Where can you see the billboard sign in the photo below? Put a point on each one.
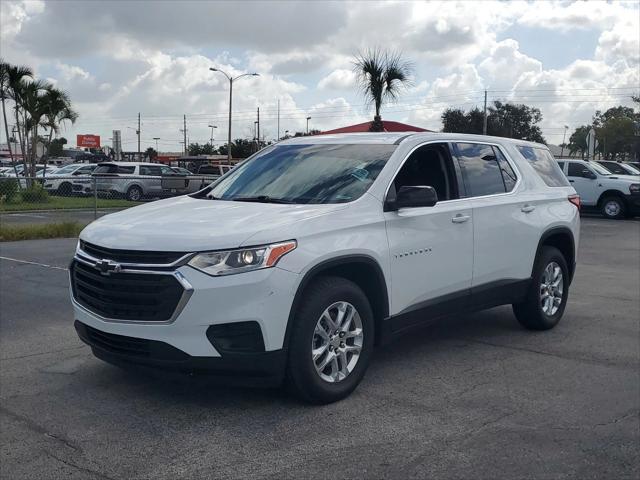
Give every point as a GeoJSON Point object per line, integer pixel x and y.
{"type": "Point", "coordinates": [88, 141]}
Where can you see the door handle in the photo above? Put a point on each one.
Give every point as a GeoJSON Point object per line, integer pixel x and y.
{"type": "Point", "coordinates": [528, 208]}
{"type": "Point", "coordinates": [571, 181]}
{"type": "Point", "coordinates": [460, 218]}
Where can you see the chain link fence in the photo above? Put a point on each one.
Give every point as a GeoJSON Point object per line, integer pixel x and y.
{"type": "Point", "coordinates": [86, 197]}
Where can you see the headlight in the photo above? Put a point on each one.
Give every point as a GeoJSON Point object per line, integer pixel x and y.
{"type": "Point", "coordinates": [634, 187]}
{"type": "Point", "coordinates": [230, 262]}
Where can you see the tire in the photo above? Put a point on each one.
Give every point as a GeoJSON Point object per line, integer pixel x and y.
{"type": "Point", "coordinates": [613, 208]}
{"type": "Point", "coordinates": [535, 313]}
{"type": "Point", "coordinates": [321, 385]}
{"type": "Point", "coordinates": [65, 189]}
{"type": "Point", "coordinates": [134, 194]}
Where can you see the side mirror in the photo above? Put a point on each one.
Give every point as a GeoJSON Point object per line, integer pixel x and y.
{"type": "Point", "coordinates": [415, 196]}
{"type": "Point", "coordinates": [586, 173]}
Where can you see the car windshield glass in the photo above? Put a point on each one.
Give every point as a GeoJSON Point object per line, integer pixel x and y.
{"type": "Point", "coordinates": [67, 169]}
{"type": "Point", "coordinates": [305, 174]}
{"type": "Point", "coordinates": [631, 169]}
{"type": "Point", "coordinates": [599, 168]}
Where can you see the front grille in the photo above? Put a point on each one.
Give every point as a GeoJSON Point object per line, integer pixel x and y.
{"type": "Point", "coordinates": [126, 296]}
{"type": "Point", "coordinates": [130, 256]}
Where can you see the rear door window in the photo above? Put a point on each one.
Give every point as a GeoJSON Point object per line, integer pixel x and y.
{"type": "Point", "coordinates": [481, 170]}
{"type": "Point", "coordinates": [150, 170]}
{"type": "Point", "coordinates": [544, 164]}
{"type": "Point", "coordinates": [576, 170]}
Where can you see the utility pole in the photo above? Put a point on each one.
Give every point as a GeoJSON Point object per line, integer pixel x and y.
{"type": "Point", "coordinates": [258, 134]}
{"type": "Point", "coordinates": [186, 148]}
{"type": "Point", "coordinates": [278, 137]}
{"type": "Point", "coordinates": [484, 122]}
{"type": "Point", "coordinates": [138, 132]}
{"type": "Point", "coordinates": [308, 118]}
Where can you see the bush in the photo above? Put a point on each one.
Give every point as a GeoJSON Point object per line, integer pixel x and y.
{"type": "Point", "coordinates": [49, 230]}
{"type": "Point", "coordinates": [35, 194]}
{"type": "Point", "coordinates": [8, 189]}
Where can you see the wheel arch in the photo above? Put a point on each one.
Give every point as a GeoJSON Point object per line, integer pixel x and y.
{"type": "Point", "coordinates": [612, 193]}
{"type": "Point", "coordinates": [562, 239]}
{"type": "Point", "coordinates": [363, 270]}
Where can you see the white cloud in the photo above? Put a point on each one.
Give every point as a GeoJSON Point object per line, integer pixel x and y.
{"type": "Point", "coordinates": [340, 79]}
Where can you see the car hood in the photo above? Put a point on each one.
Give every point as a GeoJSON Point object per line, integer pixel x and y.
{"type": "Point", "coordinates": [186, 224]}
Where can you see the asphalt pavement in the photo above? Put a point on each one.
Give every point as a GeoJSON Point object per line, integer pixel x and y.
{"type": "Point", "coordinates": [473, 397]}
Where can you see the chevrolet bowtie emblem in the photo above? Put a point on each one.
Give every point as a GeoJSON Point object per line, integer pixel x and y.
{"type": "Point", "coordinates": [106, 267]}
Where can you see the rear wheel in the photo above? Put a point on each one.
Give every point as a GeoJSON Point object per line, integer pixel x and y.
{"type": "Point", "coordinates": [331, 341]}
{"type": "Point", "coordinates": [547, 296]}
{"type": "Point", "coordinates": [65, 189]}
{"type": "Point", "coordinates": [613, 207]}
{"type": "Point", "coordinates": [134, 193]}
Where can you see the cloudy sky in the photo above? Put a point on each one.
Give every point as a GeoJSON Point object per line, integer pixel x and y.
{"type": "Point", "coordinates": [118, 58]}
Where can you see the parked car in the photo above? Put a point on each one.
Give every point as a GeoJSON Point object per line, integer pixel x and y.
{"type": "Point", "coordinates": [317, 248]}
{"type": "Point", "coordinates": [74, 178]}
{"type": "Point", "coordinates": [619, 167]}
{"type": "Point", "coordinates": [615, 196]}
{"type": "Point", "coordinates": [135, 181]}
{"type": "Point", "coordinates": [213, 170]}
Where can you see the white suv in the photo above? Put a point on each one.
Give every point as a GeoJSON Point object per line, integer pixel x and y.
{"type": "Point", "coordinates": [616, 196]}
{"type": "Point", "coordinates": [292, 266]}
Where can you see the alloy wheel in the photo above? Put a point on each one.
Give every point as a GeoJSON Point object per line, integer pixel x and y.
{"type": "Point", "coordinates": [551, 289]}
{"type": "Point", "coordinates": [337, 342]}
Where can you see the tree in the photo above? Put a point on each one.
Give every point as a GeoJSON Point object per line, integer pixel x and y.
{"type": "Point", "coordinates": [56, 146]}
{"type": "Point", "coordinates": [240, 148]}
{"type": "Point", "coordinates": [381, 76]}
{"type": "Point", "coordinates": [57, 108]}
{"type": "Point", "coordinates": [616, 131]}
{"type": "Point", "coordinates": [503, 120]}
{"type": "Point", "coordinates": [201, 149]}
{"type": "Point", "coordinates": [151, 154]}
{"type": "Point", "coordinates": [11, 79]}
{"type": "Point", "coordinates": [578, 140]}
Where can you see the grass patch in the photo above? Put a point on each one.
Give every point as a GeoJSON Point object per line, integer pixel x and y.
{"type": "Point", "coordinates": [32, 232]}
{"type": "Point", "coordinates": [60, 203]}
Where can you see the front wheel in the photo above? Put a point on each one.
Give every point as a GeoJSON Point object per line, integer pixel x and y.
{"type": "Point", "coordinates": [331, 341]}
{"type": "Point", "coordinates": [613, 207]}
{"type": "Point", "coordinates": [65, 189]}
{"type": "Point", "coordinates": [547, 296]}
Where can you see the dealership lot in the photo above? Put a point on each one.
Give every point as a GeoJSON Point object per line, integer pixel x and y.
{"type": "Point", "coordinates": [470, 397]}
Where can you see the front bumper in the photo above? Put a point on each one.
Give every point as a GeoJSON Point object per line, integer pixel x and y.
{"type": "Point", "coordinates": [633, 203]}
{"type": "Point", "coordinates": [255, 369]}
{"type": "Point", "coordinates": [263, 296]}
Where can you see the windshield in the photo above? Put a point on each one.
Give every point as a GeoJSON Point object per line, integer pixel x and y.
{"type": "Point", "coordinates": [599, 168]}
{"type": "Point", "coordinates": [67, 169]}
{"type": "Point", "coordinates": [305, 174]}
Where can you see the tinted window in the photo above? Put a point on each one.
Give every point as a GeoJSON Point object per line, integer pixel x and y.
{"type": "Point", "coordinates": [561, 165]}
{"type": "Point", "coordinates": [150, 170]}
{"type": "Point", "coordinates": [544, 164]}
{"type": "Point", "coordinates": [320, 173]}
{"type": "Point", "coordinates": [429, 166]}
{"type": "Point", "coordinates": [575, 170]}
{"type": "Point", "coordinates": [113, 168]}
{"type": "Point", "coordinates": [480, 169]}
{"type": "Point", "coordinates": [508, 175]}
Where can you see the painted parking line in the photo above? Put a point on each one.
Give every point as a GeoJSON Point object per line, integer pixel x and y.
{"type": "Point", "coordinates": [33, 263]}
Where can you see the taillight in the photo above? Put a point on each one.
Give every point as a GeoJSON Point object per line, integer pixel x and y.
{"type": "Point", "coordinates": [575, 199]}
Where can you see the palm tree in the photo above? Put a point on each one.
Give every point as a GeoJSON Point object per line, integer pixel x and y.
{"type": "Point", "coordinates": [17, 81]}
{"type": "Point", "coordinates": [381, 77]}
{"type": "Point", "coordinates": [11, 76]}
{"type": "Point", "coordinates": [34, 108]}
{"type": "Point", "coordinates": [57, 107]}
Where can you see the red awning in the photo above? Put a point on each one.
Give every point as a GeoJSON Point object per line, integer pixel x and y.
{"type": "Point", "coordinates": [389, 126]}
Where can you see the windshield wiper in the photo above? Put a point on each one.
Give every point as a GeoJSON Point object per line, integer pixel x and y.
{"type": "Point", "coordinates": [262, 199]}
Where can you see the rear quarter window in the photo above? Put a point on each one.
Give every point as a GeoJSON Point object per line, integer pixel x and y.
{"type": "Point", "coordinates": [545, 165]}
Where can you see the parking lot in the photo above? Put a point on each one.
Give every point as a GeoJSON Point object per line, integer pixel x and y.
{"type": "Point", "coordinates": [470, 397]}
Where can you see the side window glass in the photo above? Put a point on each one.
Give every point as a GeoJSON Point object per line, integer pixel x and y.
{"type": "Point", "coordinates": [480, 169]}
{"type": "Point", "coordinates": [429, 166]}
{"type": "Point", "coordinates": [126, 170]}
{"type": "Point", "coordinates": [167, 171]}
{"type": "Point", "coordinates": [575, 170]}
{"type": "Point", "coordinates": [561, 165]}
{"type": "Point", "coordinates": [145, 170]}
{"type": "Point", "coordinates": [508, 175]}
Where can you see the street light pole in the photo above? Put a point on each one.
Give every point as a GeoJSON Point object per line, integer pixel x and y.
{"type": "Point", "coordinates": [564, 136]}
{"type": "Point", "coordinates": [156, 139]}
{"type": "Point", "coordinates": [231, 79]}
{"type": "Point", "coordinates": [212, 127]}
{"type": "Point", "coordinates": [308, 118]}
